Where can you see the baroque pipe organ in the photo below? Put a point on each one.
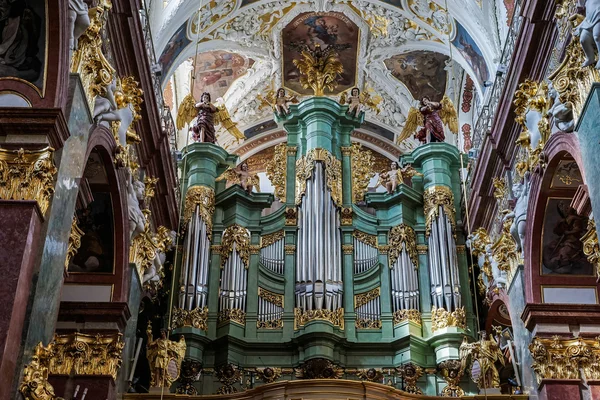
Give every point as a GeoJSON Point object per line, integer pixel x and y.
{"type": "Point", "coordinates": [336, 276]}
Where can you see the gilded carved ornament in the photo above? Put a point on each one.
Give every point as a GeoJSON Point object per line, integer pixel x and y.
{"type": "Point", "coordinates": [128, 94]}
{"type": "Point", "coordinates": [228, 375]}
{"type": "Point", "coordinates": [319, 68]}
{"type": "Point", "coordinates": [35, 385]}
{"type": "Point", "coordinates": [452, 372]}
{"type": "Point", "coordinates": [346, 216]}
{"type": "Point", "coordinates": [402, 238]}
{"type": "Point", "coordinates": [500, 188]}
{"type": "Point", "coordinates": [270, 324]}
{"type": "Point", "coordinates": [440, 318]}
{"type": "Point", "coordinates": [407, 315]}
{"type": "Point", "coordinates": [271, 238]}
{"type": "Point", "coordinates": [274, 298]}
{"type": "Point", "coordinates": [411, 373]}
{"type": "Point", "coordinates": [486, 353]}
{"type": "Point", "coordinates": [27, 175]}
{"type": "Point", "coordinates": [319, 368]}
{"type": "Point", "coordinates": [74, 242]}
{"type": "Point", "coordinates": [165, 357]}
{"type": "Point", "coordinates": [480, 241]}
{"type": "Point", "coordinates": [201, 198]}
{"type": "Point", "coordinates": [268, 374]}
{"type": "Point", "coordinates": [301, 318]}
{"type": "Point", "coordinates": [590, 245]}
{"type": "Point", "coordinates": [371, 374]}
{"type": "Point", "coordinates": [362, 171]}
{"type": "Point", "coordinates": [363, 298]}
{"type": "Point", "coordinates": [277, 171]}
{"type": "Point", "coordinates": [367, 323]}
{"type": "Point", "coordinates": [290, 249]}
{"type": "Point", "coordinates": [240, 236]}
{"type": "Point", "coordinates": [504, 250]}
{"type": "Point", "coordinates": [565, 358]}
{"type": "Point", "coordinates": [365, 238]}
{"type": "Point", "coordinates": [347, 248]}
{"type": "Point", "coordinates": [435, 197]}
{"type": "Point", "coordinates": [233, 315]}
{"type": "Point", "coordinates": [333, 173]}
{"type": "Point", "coordinates": [196, 318]}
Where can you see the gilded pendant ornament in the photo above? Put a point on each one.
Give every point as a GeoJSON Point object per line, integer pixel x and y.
{"type": "Point", "coordinates": [233, 315]}
{"type": "Point", "coordinates": [365, 238]}
{"type": "Point", "coordinates": [319, 68]}
{"type": "Point", "coordinates": [74, 242]}
{"type": "Point", "coordinates": [277, 170]}
{"type": "Point", "coordinates": [27, 175]}
{"type": "Point", "coordinates": [88, 60]}
{"type": "Point", "coordinates": [35, 385]}
{"type": "Point", "coordinates": [302, 318]}
{"type": "Point", "coordinates": [566, 358]}
{"type": "Point", "coordinates": [362, 171]}
{"type": "Point", "coordinates": [411, 373]}
{"type": "Point", "coordinates": [84, 354]}
{"type": "Point", "coordinates": [440, 318]}
{"type": "Point", "coordinates": [333, 173]}
{"type": "Point", "coordinates": [290, 249]}
{"type": "Point", "coordinates": [363, 298]}
{"type": "Point", "coordinates": [196, 318]}
{"type": "Point", "coordinates": [402, 237]}
{"type": "Point", "coordinates": [201, 198]}
{"type": "Point", "coordinates": [590, 245]}
{"type": "Point", "coordinates": [435, 197]}
{"type": "Point", "coordinates": [240, 236]}
{"type": "Point", "coordinates": [452, 371]}
{"type": "Point", "coordinates": [500, 188]}
{"type": "Point", "coordinates": [407, 315]}
{"type": "Point", "coordinates": [271, 238]}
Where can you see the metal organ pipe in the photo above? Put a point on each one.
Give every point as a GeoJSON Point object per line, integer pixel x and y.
{"type": "Point", "coordinates": [405, 286]}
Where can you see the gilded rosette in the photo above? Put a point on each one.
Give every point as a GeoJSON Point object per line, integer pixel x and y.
{"type": "Point", "coordinates": [27, 175]}
{"type": "Point", "coordinates": [435, 197]}
{"type": "Point", "coordinates": [277, 170]}
{"type": "Point", "coordinates": [35, 385]}
{"type": "Point", "coordinates": [201, 198]}
{"type": "Point", "coordinates": [402, 237]}
{"type": "Point", "coordinates": [241, 237]}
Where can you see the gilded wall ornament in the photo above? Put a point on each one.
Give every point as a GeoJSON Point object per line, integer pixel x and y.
{"type": "Point", "coordinates": [402, 237]}
{"type": "Point", "coordinates": [277, 171]}
{"type": "Point", "coordinates": [274, 298]}
{"type": "Point", "coordinates": [500, 188]}
{"type": "Point", "coordinates": [301, 318]}
{"type": "Point", "coordinates": [361, 236]}
{"type": "Point", "coordinates": [363, 298]}
{"type": "Point", "coordinates": [590, 245]}
{"type": "Point", "coordinates": [27, 175]}
{"type": "Point", "coordinates": [165, 357]}
{"type": "Point", "coordinates": [196, 318]}
{"type": "Point", "coordinates": [435, 197]}
{"type": "Point", "coordinates": [346, 216]}
{"type": "Point", "coordinates": [411, 373]}
{"type": "Point", "coordinates": [232, 314]}
{"type": "Point", "coordinates": [271, 238]}
{"type": "Point", "coordinates": [319, 68]}
{"type": "Point", "coordinates": [228, 375]}
{"type": "Point", "coordinates": [74, 242]}
{"type": "Point", "coordinates": [241, 237]}
{"type": "Point", "coordinates": [333, 173]}
{"type": "Point", "coordinates": [362, 171]}
{"type": "Point", "coordinates": [452, 372]}
{"type": "Point", "coordinates": [268, 374]}
{"type": "Point", "coordinates": [190, 373]}
{"type": "Point", "coordinates": [407, 315]}
{"type": "Point", "coordinates": [84, 354]}
{"type": "Point", "coordinates": [504, 250]}
{"type": "Point", "coordinates": [319, 368]}
{"type": "Point", "coordinates": [35, 385]}
{"type": "Point", "coordinates": [291, 216]}
{"type": "Point", "coordinates": [371, 375]}
{"type": "Point", "coordinates": [440, 318]}
{"type": "Point", "coordinates": [201, 198]}
{"type": "Point", "coordinates": [486, 353]}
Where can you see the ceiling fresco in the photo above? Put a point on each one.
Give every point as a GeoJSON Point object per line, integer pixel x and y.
{"type": "Point", "coordinates": [217, 70]}
{"type": "Point", "coordinates": [423, 73]}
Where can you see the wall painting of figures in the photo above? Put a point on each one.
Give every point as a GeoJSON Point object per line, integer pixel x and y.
{"type": "Point", "coordinates": [471, 52]}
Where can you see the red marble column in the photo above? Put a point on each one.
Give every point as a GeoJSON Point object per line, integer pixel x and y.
{"type": "Point", "coordinates": [594, 389]}
{"type": "Point", "coordinates": [20, 224]}
{"type": "Point", "coordinates": [560, 389]}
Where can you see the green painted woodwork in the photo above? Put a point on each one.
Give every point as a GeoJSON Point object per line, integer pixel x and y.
{"type": "Point", "coordinates": [202, 163]}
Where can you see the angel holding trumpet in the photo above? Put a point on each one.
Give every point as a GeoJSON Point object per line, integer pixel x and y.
{"type": "Point", "coordinates": [431, 116]}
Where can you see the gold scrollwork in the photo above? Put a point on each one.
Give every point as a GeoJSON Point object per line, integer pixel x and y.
{"type": "Point", "coordinates": [403, 237]}
{"type": "Point", "coordinates": [233, 314]}
{"type": "Point", "coordinates": [361, 236]}
{"type": "Point", "coordinates": [84, 354]}
{"type": "Point", "coordinates": [590, 245]}
{"type": "Point", "coordinates": [367, 323]}
{"type": "Point", "coordinates": [362, 171]}
{"type": "Point", "coordinates": [271, 238]}
{"type": "Point", "coordinates": [452, 372]}
{"type": "Point", "coordinates": [407, 315]}
{"type": "Point", "coordinates": [197, 318]}
{"type": "Point", "coordinates": [35, 385]}
{"type": "Point", "coordinates": [274, 298]}
{"type": "Point", "coordinates": [440, 318]}
{"type": "Point", "coordinates": [435, 197]}
{"type": "Point", "coordinates": [333, 173]}
{"type": "Point", "coordinates": [27, 175]}
{"type": "Point", "coordinates": [277, 170]}
{"type": "Point", "coordinates": [74, 242]}
{"type": "Point", "coordinates": [363, 298]}
{"type": "Point", "coordinates": [290, 249]}
{"type": "Point", "coordinates": [241, 237]}
{"type": "Point", "coordinates": [384, 249]}
{"type": "Point", "coordinates": [302, 318]}
{"type": "Point", "coordinates": [270, 324]}
{"type": "Point", "coordinates": [202, 197]}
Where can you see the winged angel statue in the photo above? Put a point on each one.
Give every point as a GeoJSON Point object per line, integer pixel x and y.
{"type": "Point", "coordinates": [277, 101]}
{"type": "Point", "coordinates": [431, 116]}
{"type": "Point", "coordinates": [207, 116]}
{"type": "Point", "coordinates": [357, 99]}
{"type": "Point", "coordinates": [240, 176]}
{"type": "Point", "coordinates": [486, 353]}
{"type": "Point", "coordinates": [161, 353]}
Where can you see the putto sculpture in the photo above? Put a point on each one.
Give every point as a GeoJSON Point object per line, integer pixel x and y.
{"type": "Point", "coordinates": [240, 175]}
{"type": "Point", "coordinates": [431, 116]}
{"type": "Point", "coordinates": [278, 101]}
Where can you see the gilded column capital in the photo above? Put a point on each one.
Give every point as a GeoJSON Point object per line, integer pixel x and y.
{"type": "Point", "coordinates": [290, 249]}
{"type": "Point", "coordinates": [348, 248]}
{"type": "Point", "coordinates": [346, 151]}
{"type": "Point", "coordinates": [590, 245]}
{"type": "Point", "coordinates": [292, 150]}
{"type": "Point", "coordinates": [422, 249]}
{"type": "Point", "coordinates": [27, 175]}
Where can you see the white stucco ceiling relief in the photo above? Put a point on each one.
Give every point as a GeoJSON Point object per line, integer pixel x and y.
{"type": "Point", "coordinates": [237, 50]}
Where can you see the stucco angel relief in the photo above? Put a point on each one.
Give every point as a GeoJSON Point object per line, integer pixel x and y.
{"type": "Point", "coordinates": [431, 116]}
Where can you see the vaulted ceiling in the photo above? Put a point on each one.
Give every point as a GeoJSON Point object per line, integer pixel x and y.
{"type": "Point", "coordinates": [400, 50]}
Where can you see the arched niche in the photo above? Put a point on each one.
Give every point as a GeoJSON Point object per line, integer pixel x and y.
{"type": "Point", "coordinates": [99, 272]}
{"type": "Point", "coordinates": [556, 270]}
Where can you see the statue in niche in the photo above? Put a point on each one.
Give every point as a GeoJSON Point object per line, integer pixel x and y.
{"type": "Point", "coordinates": [395, 176]}
{"type": "Point", "coordinates": [240, 175]}
{"type": "Point", "coordinates": [166, 240]}
{"type": "Point", "coordinates": [562, 113]}
{"type": "Point", "coordinates": [357, 99]}
{"type": "Point", "coordinates": [135, 196]}
{"type": "Point", "coordinates": [161, 354]}
{"type": "Point", "coordinates": [431, 116]}
{"type": "Point", "coordinates": [486, 352]}
{"type": "Point", "coordinates": [589, 32]}
{"type": "Point", "coordinates": [520, 193]}
{"type": "Point", "coordinates": [79, 21]}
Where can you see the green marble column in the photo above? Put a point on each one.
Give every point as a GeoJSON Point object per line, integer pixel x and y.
{"type": "Point", "coordinates": [202, 163]}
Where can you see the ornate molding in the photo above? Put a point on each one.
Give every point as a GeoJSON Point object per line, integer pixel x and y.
{"type": "Point", "coordinates": [590, 245]}
{"type": "Point", "coordinates": [440, 318]}
{"type": "Point", "coordinates": [435, 197]}
{"type": "Point", "coordinates": [407, 315]}
{"type": "Point", "coordinates": [196, 318]}
{"type": "Point", "coordinates": [402, 237]}
{"type": "Point", "coordinates": [202, 197]}
{"type": "Point", "coordinates": [363, 298]}
{"type": "Point", "coordinates": [274, 298]}
{"type": "Point", "coordinates": [74, 242]}
{"type": "Point", "coordinates": [302, 318]}
{"type": "Point", "coordinates": [27, 175]}
{"type": "Point", "coordinates": [362, 170]}
{"type": "Point", "coordinates": [348, 248]}
{"type": "Point", "coordinates": [361, 236]}
{"type": "Point", "coordinates": [271, 238]}
{"type": "Point", "coordinates": [277, 170]}
{"type": "Point", "coordinates": [241, 237]}
{"type": "Point", "coordinates": [233, 314]}
{"type": "Point", "coordinates": [452, 372]}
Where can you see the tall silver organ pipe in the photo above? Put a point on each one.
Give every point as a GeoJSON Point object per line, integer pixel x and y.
{"type": "Point", "coordinates": [365, 256]}
{"type": "Point", "coordinates": [196, 260]}
{"type": "Point", "coordinates": [443, 264]}
{"type": "Point", "coordinates": [319, 256]}
{"type": "Point", "coordinates": [270, 308]}
{"type": "Point", "coordinates": [405, 283]}
{"type": "Point", "coordinates": [368, 309]}
{"type": "Point", "coordinates": [272, 256]}
{"type": "Point", "coordinates": [234, 279]}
